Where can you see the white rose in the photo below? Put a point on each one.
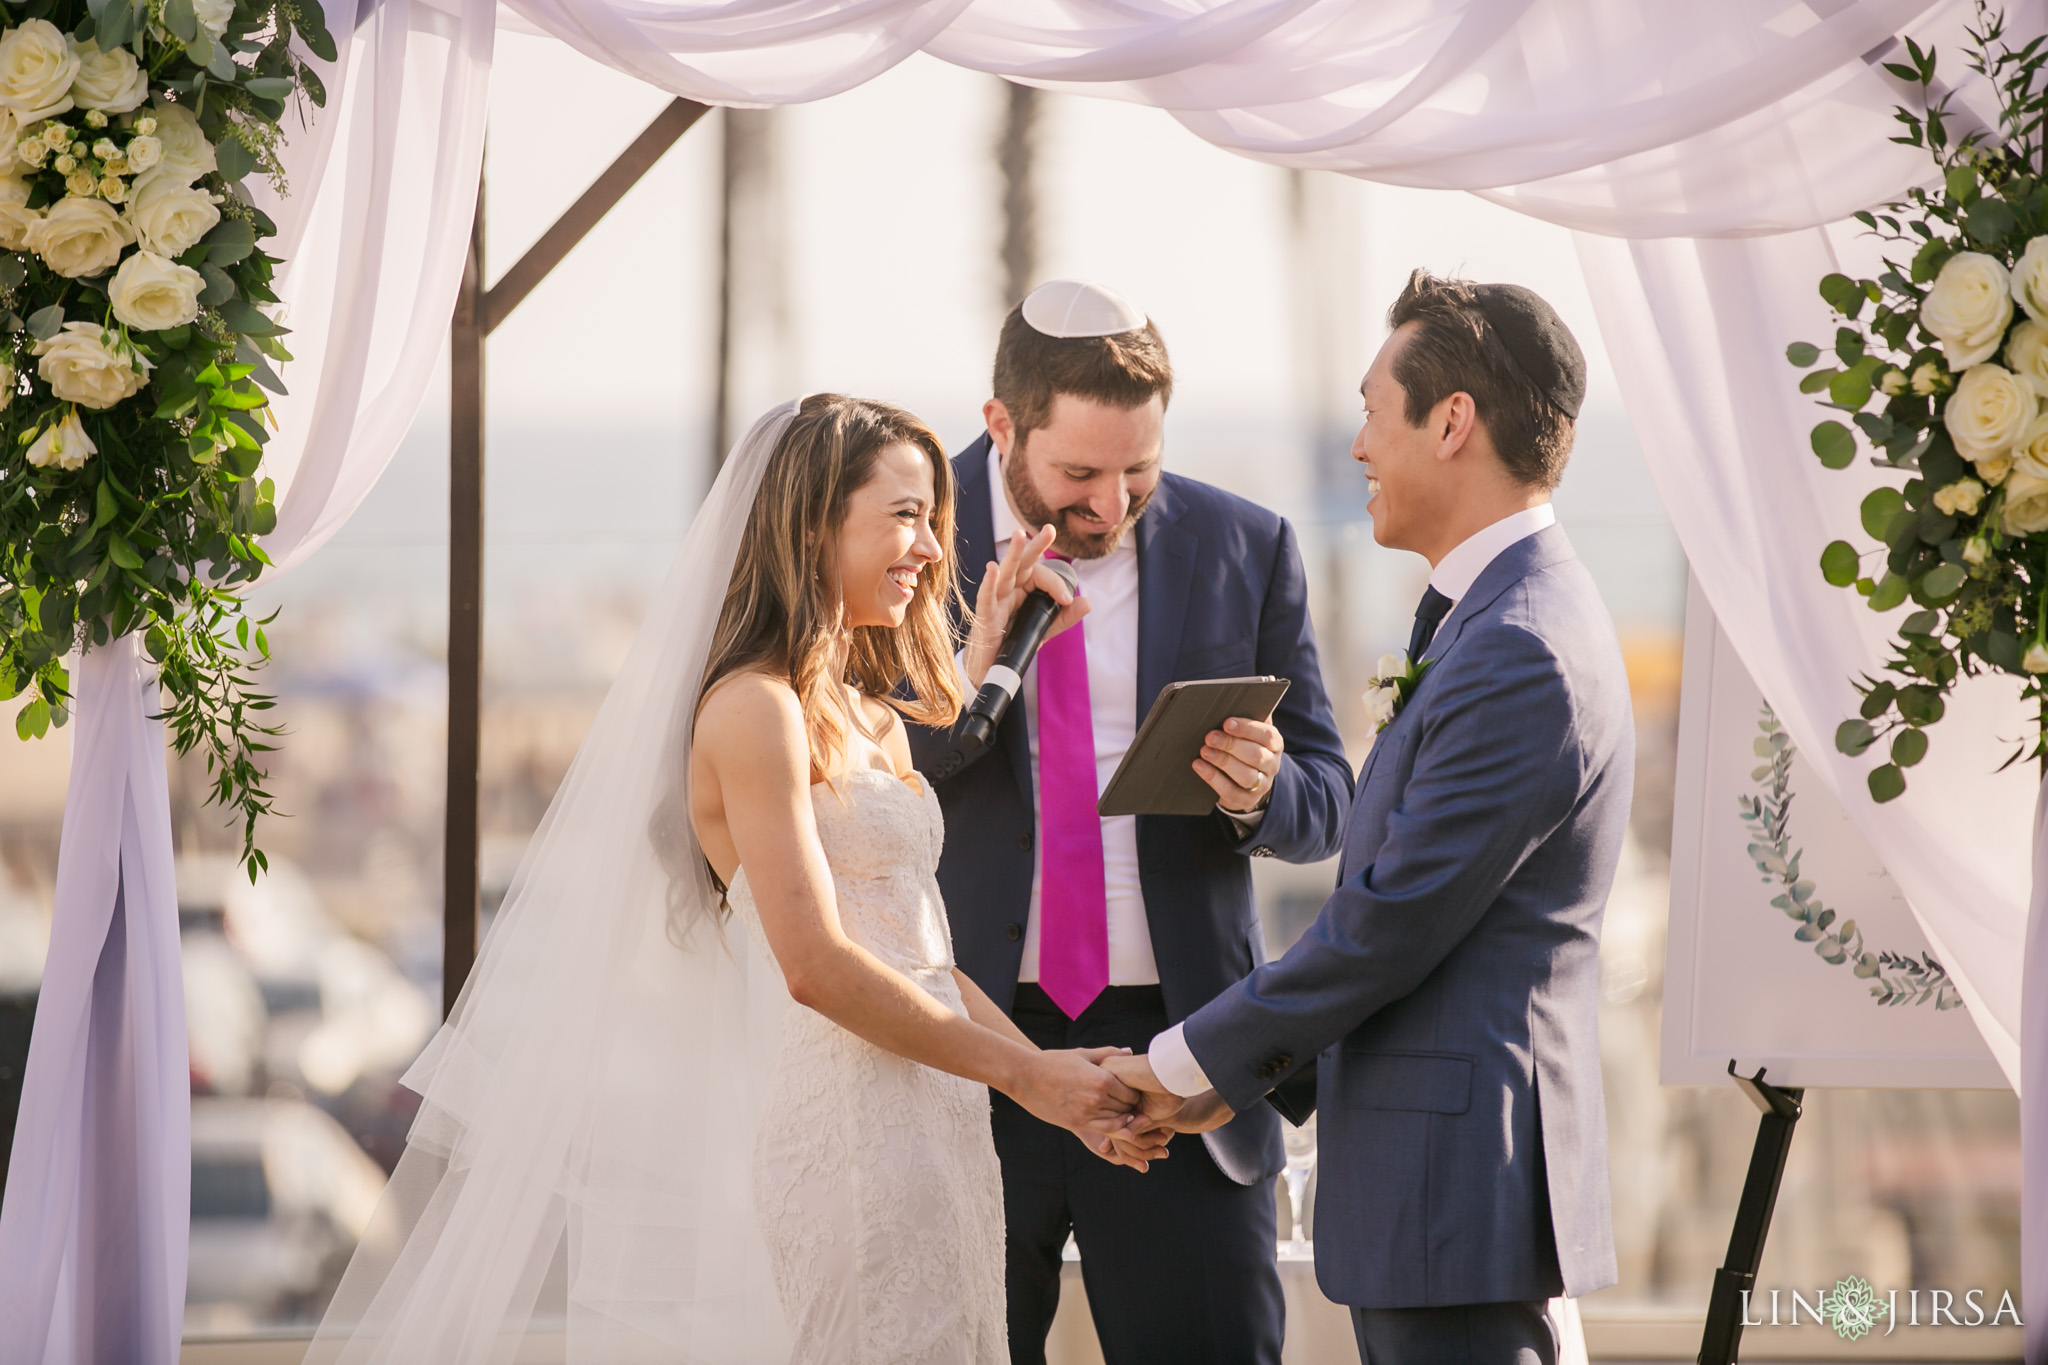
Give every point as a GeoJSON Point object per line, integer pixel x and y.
{"type": "Point", "coordinates": [2027, 352]}
{"type": "Point", "coordinates": [143, 154]}
{"type": "Point", "coordinates": [82, 182]}
{"type": "Point", "coordinates": [64, 445]}
{"type": "Point", "coordinates": [1968, 308]}
{"type": "Point", "coordinates": [2026, 504]}
{"type": "Point", "coordinates": [186, 154]}
{"type": "Point", "coordinates": [1958, 499]}
{"type": "Point", "coordinates": [1994, 467]}
{"type": "Point", "coordinates": [16, 217]}
{"type": "Point", "coordinates": [7, 382]}
{"type": "Point", "coordinates": [1392, 665]}
{"type": "Point", "coordinates": [1976, 550]}
{"type": "Point", "coordinates": [1379, 705]}
{"type": "Point", "coordinates": [170, 218]}
{"type": "Point", "coordinates": [1892, 383]}
{"type": "Point", "coordinates": [2030, 453]}
{"type": "Point", "coordinates": [37, 64]}
{"type": "Point", "coordinates": [1928, 378]}
{"type": "Point", "coordinates": [111, 82]}
{"type": "Point", "coordinates": [2030, 279]}
{"type": "Point", "coordinates": [152, 294]}
{"type": "Point", "coordinates": [1989, 410]}
{"type": "Point", "coordinates": [80, 367]}
{"type": "Point", "coordinates": [214, 15]}
{"type": "Point", "coordinates": [80, 236]}
{"type": "Point", "coordinates": [2036, 660]}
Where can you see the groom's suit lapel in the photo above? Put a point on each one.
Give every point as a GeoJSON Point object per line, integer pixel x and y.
{"type": "Point", "coordinates": [1528, 555]}
{"type": "Point", "coordinates": [975, 536]}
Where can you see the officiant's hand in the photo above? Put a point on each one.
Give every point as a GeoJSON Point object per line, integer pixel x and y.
{"type": "Point", "coordinates": [1069, 1088]}
{"type": "Point", "coordinates": [1240, 762]}
{"type": "Point", "coordinates": [1160, 1108]}
{"type": "Point", "coordinates": [1004, 587]}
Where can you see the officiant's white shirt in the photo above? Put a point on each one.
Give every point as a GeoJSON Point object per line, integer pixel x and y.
{"type": "Point", "coordinates": [1454, 575]}
{"type": "Point", "coordinates": [1111, 630]}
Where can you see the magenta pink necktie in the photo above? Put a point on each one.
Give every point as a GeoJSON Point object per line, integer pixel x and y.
{"type": "Point", "coordinates": [1073, 907]}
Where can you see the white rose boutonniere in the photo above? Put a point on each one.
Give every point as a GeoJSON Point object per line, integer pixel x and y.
{"type": "Point", "coordinates": [1968, 308]}
{"type": "Point", "coordinates": [63, 444]}
{"type": "Point", "coordinates": [80, 367]}
{"type": "Point", "coordinates": [1393, 682]}
{"type": "Point", "coordinates": [37, 64]}
{"type": "Point", "coordinates": [1990, 410]}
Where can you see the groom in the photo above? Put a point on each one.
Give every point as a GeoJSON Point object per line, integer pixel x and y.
{"type": "Point", "coordinates": [1440, 1014]}
{"type": "Point", "coordinates": [1101, 932]}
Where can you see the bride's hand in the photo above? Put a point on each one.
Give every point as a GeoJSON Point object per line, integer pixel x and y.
{"type": "Point", "coordinates": [1137, 1148]}
{"type": "Point", "coordinates": [1003, 589]}
{"type": "Point", "coordinates": [1069, 1089]}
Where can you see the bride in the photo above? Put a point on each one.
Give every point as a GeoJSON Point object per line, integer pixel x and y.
{"type": "Point", "coordinates": [629, 1147]}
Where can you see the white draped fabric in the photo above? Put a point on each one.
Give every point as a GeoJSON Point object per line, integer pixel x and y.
{"type": "Point", "coordinates": [1665, 132]}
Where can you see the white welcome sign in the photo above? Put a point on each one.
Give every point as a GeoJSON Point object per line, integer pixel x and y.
{"type": "Point", "coordinates": [1789, 947]}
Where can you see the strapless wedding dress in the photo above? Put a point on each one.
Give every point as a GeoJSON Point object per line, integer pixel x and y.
{"type": "Point", "coordinates": [875, 1177]}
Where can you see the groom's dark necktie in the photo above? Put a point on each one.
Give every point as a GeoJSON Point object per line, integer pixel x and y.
{"type": "Point", "coordinates": [1429, 614]}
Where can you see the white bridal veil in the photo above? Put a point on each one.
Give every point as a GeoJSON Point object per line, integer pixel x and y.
{"type": "Point", "coordinates": [577, 1184]}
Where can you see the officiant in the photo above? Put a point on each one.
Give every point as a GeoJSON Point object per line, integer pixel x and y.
{"type": "Point", "coordinates": [1099, 931]}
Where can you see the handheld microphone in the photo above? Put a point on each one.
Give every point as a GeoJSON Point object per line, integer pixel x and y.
{"type": "Point", "coordinates": [976, 728]}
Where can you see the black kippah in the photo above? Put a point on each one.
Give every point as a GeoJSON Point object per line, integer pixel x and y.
{"type": "Point", "coordinates": [1541, 345]}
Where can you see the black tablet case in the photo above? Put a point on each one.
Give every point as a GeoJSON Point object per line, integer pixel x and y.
{"type": "Point", "coordinates": [1155, 777]}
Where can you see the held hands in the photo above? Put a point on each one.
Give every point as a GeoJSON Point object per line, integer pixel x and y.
{"type": "Point", "coordinates": [1160, 1111]}
{"type": "Point", "coordinates": [1072, 1090]}
{"type": "Point", "coordinates": [1240, 762]}
{"type": "Point", "coordinates": [1004, 587]}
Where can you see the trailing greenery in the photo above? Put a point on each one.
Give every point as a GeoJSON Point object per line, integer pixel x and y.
{"type": "Point", "coordinates": [137, 352]}
{"type": "Point", "coordinates": [1895, 978]}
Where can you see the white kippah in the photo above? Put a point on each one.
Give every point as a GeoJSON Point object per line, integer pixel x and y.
{"type": "Point", "coordinates": [1072, 308]}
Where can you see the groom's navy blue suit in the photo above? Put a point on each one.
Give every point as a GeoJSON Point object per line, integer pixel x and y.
{"type": "Point", "coordinates": [1446, 995]}
{"type": "Point", "coordinates": [1221, 594]}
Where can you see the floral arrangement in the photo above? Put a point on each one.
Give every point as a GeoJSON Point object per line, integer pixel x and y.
{"type": "Point", "coordinates": [1941, 365]}
{"type": "Point", "coordinates": [136, 349]}
{"type": "Point", "coordinates": [1392, 683]}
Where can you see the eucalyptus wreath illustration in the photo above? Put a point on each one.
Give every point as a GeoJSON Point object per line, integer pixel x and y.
{"type": "Point", "coordinates": [1895, 978]}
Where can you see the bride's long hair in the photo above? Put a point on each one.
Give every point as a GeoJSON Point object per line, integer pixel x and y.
{"type": "Point", "coordinates": [782, 607]}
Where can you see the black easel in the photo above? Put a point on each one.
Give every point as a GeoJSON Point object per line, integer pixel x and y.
{"type": "Point", "coordinates": [1780, 1110]}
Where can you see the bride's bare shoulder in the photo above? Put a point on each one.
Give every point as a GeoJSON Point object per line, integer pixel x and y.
{"type": "Point", "coordinates": [749, 708]}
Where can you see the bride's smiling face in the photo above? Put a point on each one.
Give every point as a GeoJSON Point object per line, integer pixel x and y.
{"type": "Point", "coordinates": [887, 540]}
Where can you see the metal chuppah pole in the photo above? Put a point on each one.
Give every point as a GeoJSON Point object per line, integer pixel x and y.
{"type": "Point", "coordinates": [478, 312]}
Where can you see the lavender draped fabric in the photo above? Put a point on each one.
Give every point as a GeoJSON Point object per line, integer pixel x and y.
{"type": "Point", "coordinates": [92, 1234]}
{"type": "Point", "coordinates": [1740, 119]}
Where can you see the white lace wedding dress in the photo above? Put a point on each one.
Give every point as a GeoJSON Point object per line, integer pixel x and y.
{"type": "Point", "coordinates": [875, 1177]}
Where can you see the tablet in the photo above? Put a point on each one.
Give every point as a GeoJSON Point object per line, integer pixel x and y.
{"type": "Point", "coordinates": [1157, 776]}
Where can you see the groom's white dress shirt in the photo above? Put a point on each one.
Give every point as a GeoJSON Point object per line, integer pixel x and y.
{"type": "Point", "coordinates": [1453, 576]}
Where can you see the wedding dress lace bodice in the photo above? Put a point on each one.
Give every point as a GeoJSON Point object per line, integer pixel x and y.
{"type": "Point", "coordinates": [875, 1178]}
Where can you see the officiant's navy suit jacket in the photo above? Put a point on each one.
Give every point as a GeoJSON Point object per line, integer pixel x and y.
{"type": "Point", "coordinates": [1450, 985]}
{"type": "Point", "coordinates": [1221, 594]}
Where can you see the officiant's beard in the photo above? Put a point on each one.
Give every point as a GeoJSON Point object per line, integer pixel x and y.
{"type": "Point", "coordinates": [1033, 512]}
